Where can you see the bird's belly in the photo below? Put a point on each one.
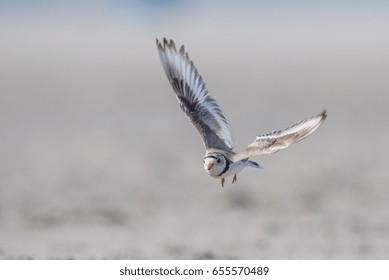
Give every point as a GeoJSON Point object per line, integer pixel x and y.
{"type": "Point", "coordinates": [235, 168]}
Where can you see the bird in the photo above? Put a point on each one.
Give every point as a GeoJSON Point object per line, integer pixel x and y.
{"type": "Point", "coordinates": [220, 160]}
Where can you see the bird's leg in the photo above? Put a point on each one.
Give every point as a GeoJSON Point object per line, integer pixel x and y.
{"type": "Point", "coordinates": [223, 181]}
{"type": "Point", "coordinates": [234, 179]}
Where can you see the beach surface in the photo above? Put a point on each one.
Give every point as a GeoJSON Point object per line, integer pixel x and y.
{"type": "Point", "coordinates": [97, 161]}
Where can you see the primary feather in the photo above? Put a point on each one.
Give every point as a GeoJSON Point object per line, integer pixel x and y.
{"type": "Point", "coordinates": [281, 139]}
{"type": "Point", "coordinates": [194, 98]}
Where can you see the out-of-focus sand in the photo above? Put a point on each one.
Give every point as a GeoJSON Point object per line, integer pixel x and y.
{"type": "Point", "coordinates": [97, 160]}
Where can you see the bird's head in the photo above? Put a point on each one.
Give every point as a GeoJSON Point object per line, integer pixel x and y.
{"type": "Point", "coordinates": [214, 164]}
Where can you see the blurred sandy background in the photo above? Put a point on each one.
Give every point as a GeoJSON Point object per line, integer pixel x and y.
{"type": "Point", "coordinates": [98, 162]}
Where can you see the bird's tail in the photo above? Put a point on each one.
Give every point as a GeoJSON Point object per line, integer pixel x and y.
{"type": "Point", "coordinates": [253, 164]}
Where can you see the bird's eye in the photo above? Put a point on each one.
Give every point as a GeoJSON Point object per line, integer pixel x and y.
{"type": "Point", "coordinates": [218, 160]}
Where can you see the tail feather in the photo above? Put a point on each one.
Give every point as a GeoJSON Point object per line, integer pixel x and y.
{"type": "Point", "coordinates": [253, 164]}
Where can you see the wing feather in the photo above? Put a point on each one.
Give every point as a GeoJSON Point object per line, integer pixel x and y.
{"type": "Point", "coordinates": [281, 139]}
{"type": "Point", "coordinates": [193, 97]}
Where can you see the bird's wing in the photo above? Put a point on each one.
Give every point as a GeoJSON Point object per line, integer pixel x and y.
{"type": "Point", "coordinates": [194, 99]}
{"type": "Point", "coordinates": [281, 139]}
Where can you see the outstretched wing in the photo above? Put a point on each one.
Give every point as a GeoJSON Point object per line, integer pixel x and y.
{"type": "Point", "coordinates": [281, 139]}
{"type": "Point", "coordinates": [194, 98]}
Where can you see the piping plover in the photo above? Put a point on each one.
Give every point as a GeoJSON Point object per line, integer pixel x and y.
{"type": "Point", "coordinates": [220, 160]}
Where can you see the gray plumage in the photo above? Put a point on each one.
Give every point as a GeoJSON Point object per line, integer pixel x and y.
{"type": "Point", "coordinates": [194, 98]}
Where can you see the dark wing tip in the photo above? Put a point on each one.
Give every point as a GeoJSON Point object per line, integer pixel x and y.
{"type": "Point", "coordinates": [323, 114]}
{"type": "Point", "coordinates": [159, 45]}
{"type": "Point", "coordinates": [171, 45]}
{"type": "Point", "coordinates": [166, 44]}
{"type": "Point", "coordinates": [182, 50]}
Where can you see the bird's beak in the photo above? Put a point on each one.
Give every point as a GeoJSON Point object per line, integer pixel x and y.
{"type": "Point", "coordinates": [209, 165]}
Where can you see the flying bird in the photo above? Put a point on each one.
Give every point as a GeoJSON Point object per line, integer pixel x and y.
{"type": "Point", "coordinates": [220, 161]}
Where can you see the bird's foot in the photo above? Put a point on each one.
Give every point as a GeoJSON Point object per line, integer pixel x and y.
{"type": "Point", "coordinates": [223, 181]}
{"type": "Point", "coordinates": [234, 179]}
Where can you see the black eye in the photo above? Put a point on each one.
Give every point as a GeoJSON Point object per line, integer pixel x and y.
{"type": "Point", "coordinates": [218, 160]}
